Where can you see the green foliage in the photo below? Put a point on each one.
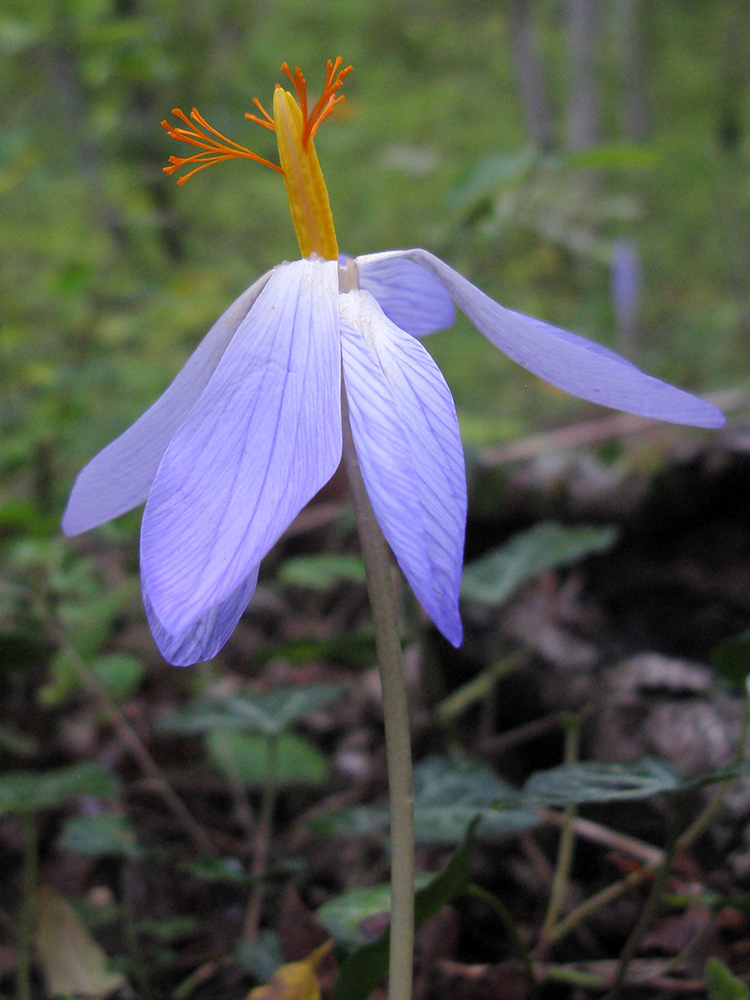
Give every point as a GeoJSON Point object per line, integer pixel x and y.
{"type": "Point", "coordinates": [449, 793]}
{"type": "Point", "coordinates": [721, 984]}
{"type": "Point", "coordinates": [322, 572]}
{"type": "Point", "coordinates": [496, 576]}
{"type": "Point", "coordinates": [255, 759]}
{"type": "Point", "coordinates": [359, 916]}
{"type": "Point", "coordinates": [262, 957]}
{"type": "Point", "coordinates": [214, 869]}
{"type": "Point", "coordinates": [367, 964]}
{"type": "Point", "coordinates": [268, 712]}
{"type": "Point", "coordinates": [572, 784]}
{"type": "Point", "coordinates": [118, 673]}
{"type": "Point", "coordinates": [29, 791]}
{"type": "Point", "coordinates": [99, 836]}
{"type": "Point", "coordinates": [732, 659]}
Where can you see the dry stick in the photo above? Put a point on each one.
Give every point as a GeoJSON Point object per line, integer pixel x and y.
{"type": "Point", "coordinates": [130, 738]}
{"type": "Point", "coordinates": [396, 716]}
{"type": "Point", "coordinates": [592, 432]}
{"type": "Point", "coordinates": [647, 854]}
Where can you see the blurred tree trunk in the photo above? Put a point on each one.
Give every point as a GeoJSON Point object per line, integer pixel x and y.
{"type": "Point", "coordinates": [68, 94]}
{"type": "Point", "coordinates": [730, 127]}
{"type": "Point", "coordinates": [626, 261]}
{"type": "Point", "coordinates": [531, 82]}
{"type": "Point", "coordinates": [583, 101]}
{"type": "Point", "coordinates": [629, 41]}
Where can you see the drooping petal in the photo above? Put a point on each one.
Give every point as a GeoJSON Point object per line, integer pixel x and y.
{"type": "Point", "coordinates": [120, 477]}
{"type": "Point", "coordinates": [205, 637]}
{"type": "Point", "coordinates": [263, 438]}
{"type": "Point", "coordinates": [408, 295]}
{"type": "Point", "coordinates": [564, 359]}
{"type": "Point", "coordinates": [407, 440]}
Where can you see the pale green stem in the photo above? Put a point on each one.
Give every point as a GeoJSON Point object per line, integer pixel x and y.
{"type": "Point", "coordinates": [264, 833]}
{"type": "Point", "coordinates": [567, 839]}
{"type": "Point", "coordinates": [396, 715]}
{"type": "Point", "coordinates": [651, 906]}
{"type": "Point", "coordinates": [595, 903]}
{"type": "Point", "coordinates": [522, 952]}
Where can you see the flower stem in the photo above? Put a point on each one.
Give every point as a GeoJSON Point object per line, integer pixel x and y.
{"type": "Point", "coordinates": [396, 715]}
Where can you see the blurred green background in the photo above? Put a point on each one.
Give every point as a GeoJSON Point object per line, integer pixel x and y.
{"type": "Point", "coordinates": [524, 142]}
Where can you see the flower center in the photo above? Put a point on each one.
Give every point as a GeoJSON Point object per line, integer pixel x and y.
{"type": "Point", "coordinates": [295, 130]}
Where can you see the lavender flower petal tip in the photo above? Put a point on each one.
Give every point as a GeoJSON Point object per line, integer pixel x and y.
{"type": "Point", "coordinates": [564, 359]}
{"type": "Point", "coordinates": [251, 429]}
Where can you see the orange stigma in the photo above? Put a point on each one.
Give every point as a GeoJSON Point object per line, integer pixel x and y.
{"type": "Point", "coordinates": [216, 147]}
{"type": "Point", "coordinates": [295, 127]}
{"type": "Point", "coordinates": [325, 104]}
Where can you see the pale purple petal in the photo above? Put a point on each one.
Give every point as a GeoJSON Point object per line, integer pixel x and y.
{"type": "Point", "coordinates": [120, 477]}
{"type": "Point", "coordinates": [205, 637]}
{"type": "Point", "coordinates": [408, 295]}
{"type": "Point", "coordinates": [407, 440]}
{"type": "Point", "coordinates": [264, 437]}
{"type": "Point", "coordinates": [564, 359]}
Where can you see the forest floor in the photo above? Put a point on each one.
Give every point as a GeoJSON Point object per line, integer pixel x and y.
{"type": "Point", "coordinates": [206, 874]}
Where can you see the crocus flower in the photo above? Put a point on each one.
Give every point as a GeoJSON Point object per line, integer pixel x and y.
{"type": "Point", "coordinates": [251, 428]}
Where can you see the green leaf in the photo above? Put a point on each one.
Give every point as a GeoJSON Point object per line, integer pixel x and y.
{"type": "Point", "coordinates": [100, 836]}
{"type": "Point", "coordinates": [254, 759]}
{"type": "Point", "coordinates": [732, 659]}
{"type": "Point", "coordinates": [721, 984]}
{"type": "Point", "coordinates": [496, 576]}
{"type": "Point", "coordinates": [226, 869]}
{"type": "Point", "coordinates": [268, 712]}
{"type": "Point", "coordinates": [322, 572]}
{"type": "Point", "coordinates": [119, 673]}
{"type": "Point", "coordinates": [366, 966]}
{"type": "Point", "coordinates": [492, 173]}
{"type": "Point", "coordinates": [29, 791]}
{"type": "Point", "coordinates": [571, 784]}
{"type": "Point", "coordinates": [354, 822]}
{"type": "Point", "coordinates": [17, 743]}
{"type": "Point", "coordinates": [357, 916]}
{"type": "Point", "coordinates": [720, 774]}
{"type": "Point", "coordinates": [449, 793]}
{"type": "Point", "coordinates": [63, 680]}
{"type": "Point", "coordinates": [89, 623]}
{"type": "Point", "coordinates": [262, 956]}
